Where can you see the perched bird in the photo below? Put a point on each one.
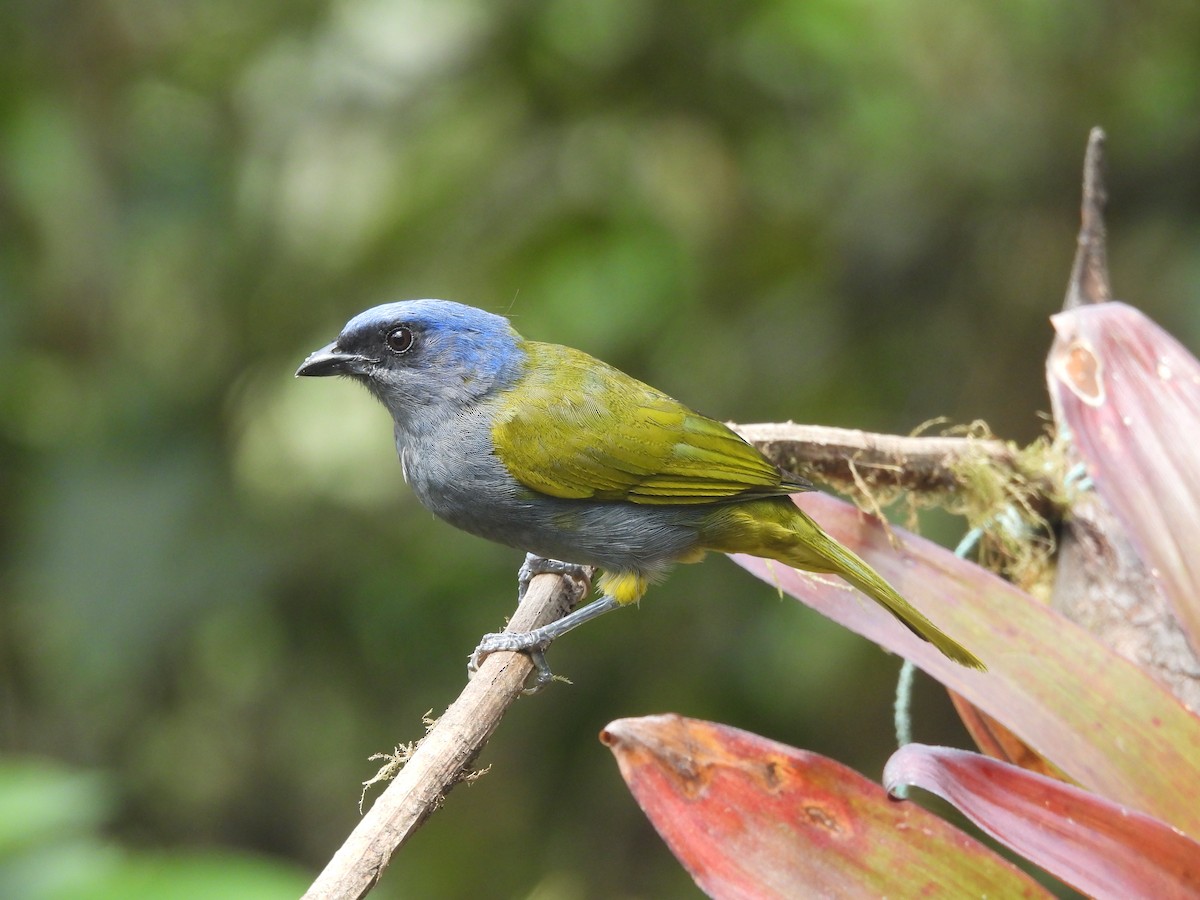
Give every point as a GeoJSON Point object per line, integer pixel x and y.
{"type": "Point", "coordinates": [546, 449]}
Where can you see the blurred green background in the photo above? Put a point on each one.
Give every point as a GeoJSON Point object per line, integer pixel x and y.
{"type": "Point", "coordinates": [217, 598]}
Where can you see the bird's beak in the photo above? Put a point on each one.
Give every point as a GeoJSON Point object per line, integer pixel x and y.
{"type": "Point", "coordinates": [330, 360]}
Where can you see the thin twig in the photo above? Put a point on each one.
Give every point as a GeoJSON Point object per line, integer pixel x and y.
{"type": "Point", "coordinates": [1089, 275]}
{"type": "Point", "coordinates": [442, 759]}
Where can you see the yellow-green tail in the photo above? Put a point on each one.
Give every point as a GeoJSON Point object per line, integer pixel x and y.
{"type": "Point", "coordinates": [775, 528]}
{"type": "Point", "coordinates": [850, 566]}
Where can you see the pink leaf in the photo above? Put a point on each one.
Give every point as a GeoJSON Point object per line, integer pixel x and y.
{"type": "Point", "coordinates": [1096, 846]}
{"type": "Point", "coordinates": [1096, 716]}
{"type": "Point", "coordinates": [752, 818]}
{"type": "Point", "coordinates": [1129, 394]}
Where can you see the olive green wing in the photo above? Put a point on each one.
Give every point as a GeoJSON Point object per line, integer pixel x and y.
{"type": "Point", "coordinates": [577, 428]}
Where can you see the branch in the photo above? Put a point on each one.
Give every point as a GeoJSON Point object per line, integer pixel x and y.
{"type": "Point", "coordinates": [1089, 275]}
{"type": "Point", "coordinates": [443, 757]}
{"type": "Point", "coordinates": [921, 464]}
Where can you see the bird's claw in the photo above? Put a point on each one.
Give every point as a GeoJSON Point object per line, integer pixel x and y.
{"type": "Point", "coordinates": [534, 565]}
{"type": "Point", "coordinates": [535, 643]}
{"type": "Point", "coordinates": [544, 675]}
{"type": "Point", "coordinates": [530, 643]}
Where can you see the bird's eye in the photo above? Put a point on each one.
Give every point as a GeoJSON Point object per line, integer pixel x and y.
{"type": "Point", "coordinates": [400, 340]}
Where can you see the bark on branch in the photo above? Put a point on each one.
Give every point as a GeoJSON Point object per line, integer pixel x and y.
{"type": "Point", "coordinates": [443, 758]}
{"type": "Point", "coordinates": [921, 464]}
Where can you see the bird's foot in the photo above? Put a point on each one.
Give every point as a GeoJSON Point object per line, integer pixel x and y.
{"type": "Point", "coordinates": [534, 565]}
{"type": "Point", "coordinates": [532, 643]}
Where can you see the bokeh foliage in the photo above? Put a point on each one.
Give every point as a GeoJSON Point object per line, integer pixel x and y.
{"type": "Point", "coordinates": [216, 596]}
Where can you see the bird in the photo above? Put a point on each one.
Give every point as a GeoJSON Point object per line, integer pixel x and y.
{"type": "Point", "coordinates": [547, 449]}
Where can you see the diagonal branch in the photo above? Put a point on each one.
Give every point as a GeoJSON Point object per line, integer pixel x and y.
{"type": "Point", "coordinates": [442, 759]}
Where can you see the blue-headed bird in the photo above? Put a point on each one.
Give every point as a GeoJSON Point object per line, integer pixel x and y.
{"type": "Point", "coordinates": [547, 449]}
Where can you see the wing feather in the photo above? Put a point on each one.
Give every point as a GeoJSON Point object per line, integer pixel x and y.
{"type": "Point", "coordinates": [577, 428]}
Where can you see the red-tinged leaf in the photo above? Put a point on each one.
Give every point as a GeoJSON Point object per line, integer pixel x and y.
{"type": "Point", "coordinates": [1096, 846]}
{"type": "Point", "coordinates": [754, 818]}
{"type": "Point", "coordinates": [994, 739]}
{"type": "Point", "coordinates": [1129, 394]}
{"type": "Point", "coordinates": [1105, 723]}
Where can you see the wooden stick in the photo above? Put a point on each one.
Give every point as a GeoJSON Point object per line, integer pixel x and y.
{"type": "Point", "coordinates": [442, 759]}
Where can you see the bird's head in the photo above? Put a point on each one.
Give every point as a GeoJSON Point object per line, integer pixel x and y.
{"type": "Point", "coordinates": [430, 355]}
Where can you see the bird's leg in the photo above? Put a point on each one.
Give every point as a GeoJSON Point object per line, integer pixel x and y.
{"type": "Point", "coordinates": [535, 642]}
{"type": "Point", "coordinates": [534, 565]}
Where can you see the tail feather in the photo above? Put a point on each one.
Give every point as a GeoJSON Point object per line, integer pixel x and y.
{"type": "Point", "coordinates": [824, 554]}
{"type": "Point", "coordinates": [778, 529]}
